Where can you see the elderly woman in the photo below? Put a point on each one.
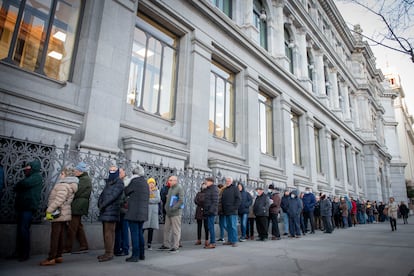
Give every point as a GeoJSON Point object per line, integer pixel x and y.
{"type": "Point", "coordinates": [153, 219]}
{"type": "Point", "coordinates": [138, 194]}
{"type": "Point", "coordinates": [59, 212]}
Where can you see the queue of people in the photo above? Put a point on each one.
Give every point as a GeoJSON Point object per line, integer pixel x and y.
{"type": "Point", "coordinates": [129, 206]}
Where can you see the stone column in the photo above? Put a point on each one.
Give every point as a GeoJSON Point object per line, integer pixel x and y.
{"type": "Point", "coordinates": [309, 158]}
{"type": "Point", "coordinates": [279, 37]}
{"type": "Point", "coordinates": [302, 71]}
{"type": "Point", "coordinates": [107, 87]}
{"type": "Point", "coordinates": [345, 101]}
{"type": "Point", "coordinates": [286, 157]}
{"type": "Point", "coordinates": [354, 176]}
{"type": "Point", "coordinates": [330, 162]}
{"type": "Point", "coordinates": [333, 95]}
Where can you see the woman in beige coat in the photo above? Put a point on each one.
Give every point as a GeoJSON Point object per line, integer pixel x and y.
{"type": "Point", "coordinates": [393, 213]}
{"type": "Point", "coordinates": [60, 198]}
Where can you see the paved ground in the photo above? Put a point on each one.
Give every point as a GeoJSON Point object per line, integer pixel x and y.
{"type": "Point", "coordinates": [363, 250]}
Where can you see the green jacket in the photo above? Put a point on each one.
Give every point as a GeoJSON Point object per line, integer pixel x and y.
{"type": "Point", "coordinates": [29, 189]}
{"type": "Point", "coordinates": [80, 204]}
{"type": "Point", "coordinates": [175, 208]}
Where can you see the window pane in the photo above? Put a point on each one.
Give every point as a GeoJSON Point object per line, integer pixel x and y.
{"type": "Point", "coordinates": [62, 40]}
{"type": "Point", "coordinates": [151, 85]}
{"type": "Point", "coordinates": [229, 112]}
{"type": "Point", "coordinates": [32, 34]}
{"type": "Point", "coordinates": [8, 17]}
{"type": "Point", "coordinates": [212, 104]}
{"type": "Point", "coordinates": [220, 107]}
{"type": "Point", "coordinates": [265, 124]}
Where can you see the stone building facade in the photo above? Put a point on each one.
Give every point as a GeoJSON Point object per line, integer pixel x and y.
{"type": "Point", "coordinates": [272, 91]}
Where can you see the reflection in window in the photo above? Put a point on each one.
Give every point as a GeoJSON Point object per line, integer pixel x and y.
{"type": "Point", "coordinates": [224, 5]}
{"type": "Point", "coordinates": [221, 113]}
{"type": "Point", "coordinates": [39, 36]}
{"type": "Point", "coordinates": [153, 69]}
{"type": "Point", "coordinates": [259, 20]}
{"type": "Point", "coordinates": [296, 147]}
{"type": "Point", "coordinates": [265, 124]}
{"type": "Point", "coordinates": [289, 49]}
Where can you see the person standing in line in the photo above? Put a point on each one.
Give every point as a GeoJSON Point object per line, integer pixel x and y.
{"type": "Point", "coordinates": [309, 202]}
{"type": "Point", "coordinates": [326, 213]}
{"type": "Point", "coordinates": [294, 210]}
{"type": "Point", "coordinates": [252, 217]}
{"type": "Point", "coordinates": [404, 211]}
{"type": "Point", "coordinates": [200, 216]}
{"type": "Point", "coordinates": [109, 210]}
{"type": "Point", "coordinates": [393, 213]}
{"type": "Point", "coordinates": [80, 207]}
{"type": "Point", "coordinates": [121, 247]}
{"type": "Point", "coordinates": [261, 211]}
{"type": "Point", "coordinates": [137, 193]}
{"type": "Point", "coordinates": [174, 209]}
{"type": "Point", "coordinates": [284, 206]}
{"type": "Point", "coordinates": [343, 206]}
{"type": "Point", "coordinates": [210, 209]}
{"type": "Point", "coordinates": [243, 212]}
{"type": "Point", "coordinates": [274, 211]}
{"type": "Point", "coordinates": [230, 201]}
{"type": "Point", "coordinates": [153, 211]}
{"type": "Point", "coordinates": [60, 200]}
{"type": "Point", "coordinates": [27, 201]}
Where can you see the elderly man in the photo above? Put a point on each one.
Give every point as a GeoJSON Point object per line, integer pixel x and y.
{"type": "Point", "coordinates": [230, 202]}
{"type": "Point", "coordinates": [80, 207]}
{"type": "Point", "coordinates": [173, 208]}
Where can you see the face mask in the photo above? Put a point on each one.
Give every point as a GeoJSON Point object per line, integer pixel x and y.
{"type": "Point", "coordinates": [292, 196]}
{"type": "Point", "coordinates": [27, 171]}
{"type": "Point", "coordinates": [307, 192]}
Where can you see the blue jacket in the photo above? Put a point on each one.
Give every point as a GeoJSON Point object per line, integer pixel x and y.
{"type": "Point", "coordinates": [109, 200]}
{"type": "Point", "coordinates": [246, 201]}
{"type": "Point", "coordinates": [309, 202]}
{"type": "Point", "coordinates": [295, 205]}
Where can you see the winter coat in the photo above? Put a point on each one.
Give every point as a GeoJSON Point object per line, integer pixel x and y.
{"type": "Point", "coordinates": [284, 203]}
{"type": "Point", "coordinates": [230, 200]}
{"type": "Point", "coordinates": [261, 206]}
{"type": "Point", "coordinates": [246, 201]}
{"type": "Point", "coordinates": [326, 207]}
{"type": "Point", "coordinates": [211, 199]}
{"type": "Point", "coordinates": [404, 210]}
{"type": "Point", "coordinates": [309, 202]}
{"type": "Point", "coordinates": [335, 209]}
{"type": "Point", "coordinates": [295, 205]}
{"type": "Point", "coordinates": [29, 189]}
{"type": "Point", "coordinates": [61, 196]}
{"type": "Point", "coordinates": [199, 202]}
{"type": "Point", "coordinates": [275, 206]}
{"type": "Point", "coordinates": [80, 204]}
{"type": "Point", "coordinates": [393, 210]}
{"type": "Point", "coordinates": [354, 207]}
{"type": "Point", "coordinates": [137, 193]}
{"type": "Point", "coordinates": [175, 208]}
{"type": "Point", "coordinates": [153, 210]}
{"type": "Point", "coordinates": [109, 200]}
{"type": "Point", "coordinates": [343, 206]}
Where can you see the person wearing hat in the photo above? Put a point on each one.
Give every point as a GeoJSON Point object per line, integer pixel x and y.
{"type": "Point", "coordinates": [80, 207]}
{"type": "Point", "coordinates": [274, 211]}
{"type": "Point", "coordinates": [153, 218]}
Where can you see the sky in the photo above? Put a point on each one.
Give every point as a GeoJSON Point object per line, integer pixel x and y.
{"type": "Point", "coordinates": [371, 25]}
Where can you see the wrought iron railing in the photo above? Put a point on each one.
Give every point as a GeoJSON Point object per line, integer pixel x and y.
{"type": "Point", "coordinates": [14, 153]}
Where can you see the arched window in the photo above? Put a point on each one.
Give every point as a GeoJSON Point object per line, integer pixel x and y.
{"type": "Point", "coordinates": [289, 49]}
{"type": "Point", "coordinates": [259, 20]}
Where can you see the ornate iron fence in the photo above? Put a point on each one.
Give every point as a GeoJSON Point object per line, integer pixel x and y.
{"type": "Point", "coordinates": [15, 153]}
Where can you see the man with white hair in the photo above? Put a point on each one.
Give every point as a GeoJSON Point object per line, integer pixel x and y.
{"type": "Point", "coordinates": [230, 202]}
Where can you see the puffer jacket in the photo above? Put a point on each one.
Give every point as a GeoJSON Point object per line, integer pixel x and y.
{"type": "Point", "coordinates": [230, 200]}
{"type": "Point", "coordinates": [261, 206]}
{"type": "Point", "coordinates": [29, 189]}
{"type": "Point", "coordinates": [80, 204]}
{"type": "Point", "coordinates": [137, 193]}
{"type": "Point", "coordinates": [295, 205]}
{"type": "Point", "coordinates": [210, 204]}
{"type": "Point", "coordinates": [393, 210]}
{"type": "Point", "coordinates": [109, 200]}
{"type": "Point", "coordinates": [61, 197]}
{"type": "Point", "coordinates": [246, 201]}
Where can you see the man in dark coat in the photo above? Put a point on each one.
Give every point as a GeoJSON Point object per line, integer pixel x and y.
{"type": "Point", "coordinates": [230, 202]}
{"type": "Point", "coordinates": [109, 207]}
{"type": "Point", "coordinates": [26, 203]}
{"type": "Point", "coordinates": [261, 211]}
{"type": "Point", "coordinates": [80, 207]}
{"type": "Point", "coordinates": [326, 213]}
{"type": "Point", "coordinates": [211, 195]}
{"type": "Point", "coordinates": [309, 202]}
{"type": "Point", "coordinates": [294, 210]}
{"type": "Point", "coordinates": [284, 206]}
{"type": "Point", "coordinates": [245, 203]}
{"type": "Point", "coordinates": [137, 193]}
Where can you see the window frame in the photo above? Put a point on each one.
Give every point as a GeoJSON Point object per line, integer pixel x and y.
{"type": "Point", "coordinates": [269, 137]}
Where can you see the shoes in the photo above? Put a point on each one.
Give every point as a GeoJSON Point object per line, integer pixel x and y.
{"type": "Point", "coordinates": [276, 238]}
{"type": "Point", "coordinates": [198, 242]}
{"type": "Point", "coordinates": [206, 243]}
{"type": "Point", "coordinates": [149, 247]}
{"type": "Point", "coordinates": [210, 246]}
{"type": "Point", "coordinates": [173, 250]}
{"type": "Point", "coordinates": [227, 243]}
{"type": "Point", "coordinates": [142, 258]}
{"type": "Point", "coordinates": [180, 245]}
{"type": "Point", "coordinates": [313, 232]}
{"type": "Point", "coordinates": [163, 247]}
{"type": "Point", "coordinates": [297, 236]}
{"type": "Point", "coordinates": [81, 251]}
{"type": "Point", "coordinates": [242, 240]}
{"type": "Point", "coordinates": [220, 240]}
{"type": "Point", "coordinates": [59, 260]}
{"type": "Point", "coordinates": [47, 262]}
{"type": "Point", "coordinates": [234, 244]}
{"type": "Point", "coordinates": [105, 258]}
{"type": "Point", "coordinates": [132, 259]}
{"type": "Point", "coordinates": [121, 254]}
{"type": "Point", "coordinates": [285, 234]}
{"type": "Point", "coordinates": [252, 238]}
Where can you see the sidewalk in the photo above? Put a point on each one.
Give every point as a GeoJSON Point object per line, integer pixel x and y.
{"type": "Point", "coordinates": [363, 250]}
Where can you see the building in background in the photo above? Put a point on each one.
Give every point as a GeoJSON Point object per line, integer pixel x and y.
{"type": "Point", "coordinates": [267, 91]}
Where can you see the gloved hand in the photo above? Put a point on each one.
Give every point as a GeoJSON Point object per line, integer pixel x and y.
{"type": "Point", "coordinates": [49, 216]}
